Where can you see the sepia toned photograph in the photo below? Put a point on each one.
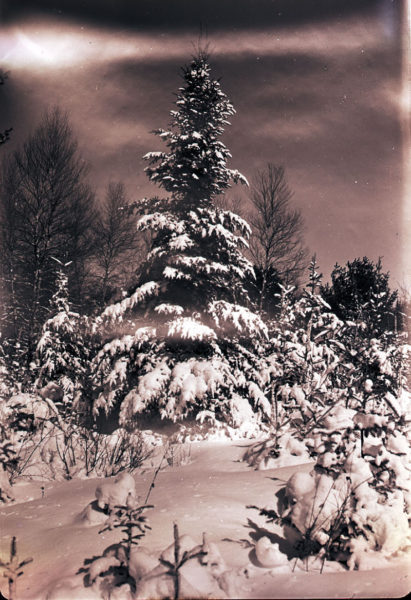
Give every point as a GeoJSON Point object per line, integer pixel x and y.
{"type": "Point", "coordinates": [205, 299]}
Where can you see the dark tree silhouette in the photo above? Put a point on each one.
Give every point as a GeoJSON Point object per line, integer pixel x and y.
{"type": "Point", "coordinates": [359, 291]}
{"type": "Point", "coordinates": [117, 245]}
{"type": "Point", "coordinates": [4, 135]}
{"type": "Point", "coordinates": [46, 210]}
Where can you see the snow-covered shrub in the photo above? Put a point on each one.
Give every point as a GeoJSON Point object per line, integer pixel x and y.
{"type": "Point", "coordinates": [371, 446]}
{"type": "Point", "coordinates": [373, 422]}
{"type": "Point", "coordinates": [311, 361]}
{"type": "Point", "coordinates": [4, 373]}
{"type": "Point", "coordinates": [8, 455]}
{"type": "Point", "coordinates": [90, 453]}
{"type": "Point", "coordinates": [301, 373]}
{"type": "Point", "coordinates": [17, 418]}
{"type": "Point", "coordinates": [14, 374]}
{"type": "Point", "coordinates": [341, 518]}
{"type": "Point", "coordinates": [356, 502]}
{"type": "Point", "coordinates": [183, 570]}
{"type": "Point", "coordinates": [195, 345]}
{"type": "Point", "coordinates": [343, 393]}
{"type": "Point", "coordinates": [46, 445]}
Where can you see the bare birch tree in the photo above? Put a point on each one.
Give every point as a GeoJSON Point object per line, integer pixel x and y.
{"type": "Point", "coordinates": [276, 245]}
{"type": "Point", "coordinates": [117, 243]}
{"type": "Point", "coordinates": [46, 210]}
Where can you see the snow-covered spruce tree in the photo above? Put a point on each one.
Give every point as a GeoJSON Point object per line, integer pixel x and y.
{"type": "Point", "coordinates": [62, 352]}
{"type": "Point", "coordinates": [193, 346]}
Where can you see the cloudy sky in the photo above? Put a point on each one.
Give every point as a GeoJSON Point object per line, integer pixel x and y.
{"type": "Point", "coordinates": [318, 86]}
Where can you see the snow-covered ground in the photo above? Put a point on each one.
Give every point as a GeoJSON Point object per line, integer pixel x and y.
{"type": "Point", "coordinates": [209, 494]}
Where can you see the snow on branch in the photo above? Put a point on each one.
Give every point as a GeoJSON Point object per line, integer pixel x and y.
{"type": "Point", "coordinates": [116, 346]}
{"type": "Point", "coordinates": [158, 221]}
{"type": "Point", "coordinates": [169, 309]}
{"type": "Point", "coordinates": [220, 232]}
{"type": "Point", "coordinates": [149, 387]}
{"type": "Point", "coordinates": [181, 242]}
{"type": "Point", "coordinates": [154, 155]}
{"type": "Point", "coordinates": [243, 319]}
{"type": "Point", "coordinates": [172, 273]}
{"type": "Point", "coordinates": [239, 177]}
{"type": "Point", "coordinates": [202, 264]}
{"type": "Point", "coordinates": [231, 219]}
{"type": "Point", "coordinates": [188, 328]}
{"type": "Point", "coordinates": [116, 311]}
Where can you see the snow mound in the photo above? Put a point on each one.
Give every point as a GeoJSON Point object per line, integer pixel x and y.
{"type": "Point", "coordinates": [119, 492]}
{"type": "Point", "coordinates": [269, 555]}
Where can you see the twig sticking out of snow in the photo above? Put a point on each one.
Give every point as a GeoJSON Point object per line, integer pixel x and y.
{"type": "Point", "coordinates": [13, 568]}
{"type": "Point", "coordinates": [156, 472]}
{"type": "Point", "coordinates": [179, 561]}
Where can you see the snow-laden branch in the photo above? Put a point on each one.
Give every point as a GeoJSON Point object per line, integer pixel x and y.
{"type": "Point", "coordinates": [116, 311]}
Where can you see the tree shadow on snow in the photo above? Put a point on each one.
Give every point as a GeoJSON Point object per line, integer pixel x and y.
{"type": "Point", "coordinates": [109, 575]}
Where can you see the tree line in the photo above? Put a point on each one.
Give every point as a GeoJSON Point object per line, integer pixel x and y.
{"type": "Point", "coordinates": [49, 213]}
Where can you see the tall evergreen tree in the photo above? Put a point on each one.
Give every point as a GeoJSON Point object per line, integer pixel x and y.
{"type": "Point", "coordinates": [197, 239]}
{"type": "Point", "coordinates": [191, 298]}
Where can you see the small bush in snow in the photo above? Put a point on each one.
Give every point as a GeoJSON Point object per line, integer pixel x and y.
{"type": "Point", "coordinates": [112, 570]}
{"type": "Point", "coordinates": [121, 491]}
{"type": "Point", "coordinates": [43, 444]}
{"type": "Point", "coordinates": [183, 570]}
{"type": "Point", "coordinates": [179, 559]}
{"type": "Point", "coordinates": [63, 354]}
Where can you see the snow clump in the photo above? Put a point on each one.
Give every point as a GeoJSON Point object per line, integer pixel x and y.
{"type": "Point", "coordinates": [119, 492]}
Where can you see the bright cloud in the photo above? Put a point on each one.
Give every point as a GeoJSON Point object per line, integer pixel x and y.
{"type": "Point", "coordinates": [47, 45]}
